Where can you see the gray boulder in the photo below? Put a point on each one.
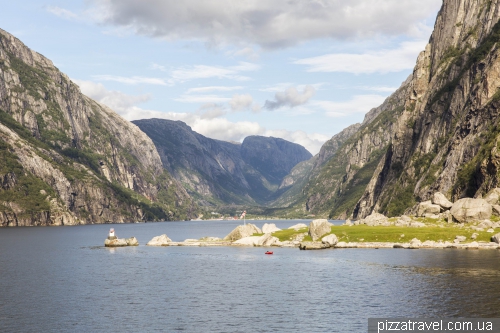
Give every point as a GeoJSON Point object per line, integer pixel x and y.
{"type": "Point", "coordinates": [313, 246]}
{"type": "Point", "coordinates": [486, 224]}
{"type": "Point", "coordinates": [242, 231]}
{"type": "Point", "coordinates": [264, 240]}
{"type": "Point", "coordinates": [496, 210]}
{"type": "Point", "coordinates": [439, 199]}
{"type": "Point", "coordinates": [331, 240]}
{"type": "Point", "coordinates": [493, 196]}
{"type": "Point", "coordinates": [496, 238]}
{"type": "Point", "coordinates": [117, 242]}
{"type": "Point", "coordinates": [460, 239]}
{"type": "Point", "coordinates": [374, 219]}
{"type": "Point", "coordinates": [270, 228]}
{"type": "Point", "coordinates": [162, 240]}
{"type": "Point", "coordinates": [467, 210]}
{"type": "Point", "coordinates": [132, 241]}
{"type": "Point", "coordinates": [318, 228]}
{"type": "Point", "coordinates": [428, 208]}
{"type": "Point", "coordinates": [415, 243]}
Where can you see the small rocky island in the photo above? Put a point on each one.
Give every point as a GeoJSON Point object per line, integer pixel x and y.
{"type": "Point", "coordinates": [469, 223]}
{"type": "Point", "coordinates": [113, 241]}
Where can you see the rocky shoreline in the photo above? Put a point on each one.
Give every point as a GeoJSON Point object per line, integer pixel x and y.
{"type": "Point", "coordinates": [477, 218]}
{"type": "Point", "coordinates": [245, 236]}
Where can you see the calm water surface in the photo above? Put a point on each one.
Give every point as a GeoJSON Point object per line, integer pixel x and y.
{"type": "Point", "coordinates": [62, 279]}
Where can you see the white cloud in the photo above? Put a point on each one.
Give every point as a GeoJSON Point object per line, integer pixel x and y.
{"type": "Point", "coordinates": [378, 88]}
{"type": "Point", "coordinates": [62, 13]}
{"type": "Point", "coordinates": [131, 80]}
{"type": "Point", "coordinates": [284, 85]}
{"type": "Point", "coordinates": [212, 88]}
{"type": "Point", "coordinates": [291, 97]}
{"type": "Point", "coordinates": [270, 24]}
{"type": "Point", "coordinates": [247, 52]}
{"type": "Point", "coordinates": [211, 111]}
{"type": "Point", "coordinates": [358, 104]}
{"type": "Point", "coordinates": [158, 67]}
{"type": "Point", "coordinates": [201, 99]}
{"type": "Point", "coordinates": [244, 102]}
{"type": "Point", "coordinates": [311, 141]}
{"type": "Point", "coordinates": [383, 61]}
{"type": "Point", "coordinates": [207, 72]}
{"type": "Point", "coordinates": [241, 102]}
{"type": "Point", "coordinates": [116, 100]}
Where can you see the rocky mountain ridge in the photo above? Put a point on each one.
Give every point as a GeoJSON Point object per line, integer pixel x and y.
{"type": "Point", "coordinates": [437, 133]}
{"type": "Point", "coordinates": [218, 172]}
{"type": "Point", "coordinates": [67, 159]}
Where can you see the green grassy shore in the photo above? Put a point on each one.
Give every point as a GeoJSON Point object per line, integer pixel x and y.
{"type": "Point", "coordinates": [434, 230]}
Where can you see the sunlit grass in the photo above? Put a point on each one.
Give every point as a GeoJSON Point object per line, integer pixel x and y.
{"type": "Point", "coordinates": [392, 234]}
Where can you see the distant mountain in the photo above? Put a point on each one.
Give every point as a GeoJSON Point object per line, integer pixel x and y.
{"type": "Point", "coordinates": [219, 172]}
{"type": "Point", "coordinates": [274, 158]}
{"type": "Point", "coordinates": [66, 159]}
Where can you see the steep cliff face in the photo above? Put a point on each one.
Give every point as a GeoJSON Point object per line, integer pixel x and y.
{"type": "Point", "coordinates": [68, 159]}
{"type": "Point", "coordinates": [441, 127]}
{"type": "Point", "coordinates": [218, 172]}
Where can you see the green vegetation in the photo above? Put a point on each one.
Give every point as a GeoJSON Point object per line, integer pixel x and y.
{"type": "Point", "coordinates": [32, 79]}
{"type": "Point", "coordinates": [450, 53]}
{"type": "Point", "coordinates": [476, 56]}
{"type": "Point", "coordinates": [24, 189]}
{"type": "Point", "coordinates": [401, 199]}
{"type": "Point", "coordinates": [85, 157]}
{"type": "Point", "coordinates": [393, 234]}
{"type": "Point", "coordinates": [289, 234]}
{"type": "Point", "coordinates": [469, 176]}
{"type": "Point", "coordinates": [7, 120]}
{"type": "Point", "coordinates": [352, 192]}
{"type": "Point", "coordinates": [435, 231]}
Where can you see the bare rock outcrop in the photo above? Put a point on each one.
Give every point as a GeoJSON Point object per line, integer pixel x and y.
{"type": "Point", "coordinates": [318, 228]}
{"type": "Point", "coordinates": [493, 196]}
{"type": "Point", "coordinates": [313, 246]}
{"type": "Point", "coordinates": [264, 240]}
{"type": "Point", "coordinates": [269, 228]}
{"type": "Point", "coordinates": [162, 240]}
{"type": "Point", "coordinates": [242, 231]}
{"type": "Point", "coordinates": [467, 210]}
{"type": "Point", "coordinates": [496, 210]}
{"type": "Point", "coordinates": [496, 238]}
{"type": "Point", "coordinates": [120, 242]}
{"type": "Point", "coordinates": [374, 219]}
{"type": "Point", "coordinates": [440, 199]}
{"type": "Point", "coordinates": [428, 208]}
{"type": "Point", "coordinates": [331, 240]}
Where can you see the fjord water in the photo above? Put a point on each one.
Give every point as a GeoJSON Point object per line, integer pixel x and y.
{"type": "Point", "coordinates": [62, 279]}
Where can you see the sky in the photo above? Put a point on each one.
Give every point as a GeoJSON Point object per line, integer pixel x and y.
{"type": "Point", "coordinates": [301, 70]}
